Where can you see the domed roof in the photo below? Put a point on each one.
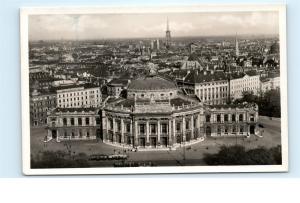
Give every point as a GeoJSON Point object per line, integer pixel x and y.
{"type": "Point", "coordinates": [151, 83]}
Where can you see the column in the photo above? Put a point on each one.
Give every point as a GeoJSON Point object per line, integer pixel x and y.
{"type": "Point", "coordinates": [183, 129]}
{"type": "Point", "coordinates": [122, 131]}
{"type": "Point", "coordinates": [76, 121]}
{"type": "Point", "coordinates": [136, 133]}
{"type": "Point", "coordinates": [107, 137]}
{"type": "Point", "coordinates": [248, 129]}
{"type": "Point", "coordinates": [192, 127]}
{"type": "Point", "coordinates": [170, 132]}
{"type": "Point", "coordinates": [158, 132]}
{"type": "Point", "coordinates": [92, 121]}
{"type": "Point", "coordinates": [57, 134]}
{"type": "Point", "coordinates": [68, 121]}
{"type": "Point", "coordinates": [49, 135]}
{"type": "Point", "coordinates": [198, 125]}
{"type": "Point", "coordinates": [147, 133]}
{"type": "Point", "coordinates": [174, 132]}
{"type": "Point", "coordinates": [114, 130]}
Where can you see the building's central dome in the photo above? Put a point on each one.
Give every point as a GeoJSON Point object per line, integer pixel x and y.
{"type": "Point", "coordinates": [151, 83]}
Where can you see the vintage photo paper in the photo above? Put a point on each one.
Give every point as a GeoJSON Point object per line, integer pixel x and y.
{"type": "Point", "coordinates": [170, 89]}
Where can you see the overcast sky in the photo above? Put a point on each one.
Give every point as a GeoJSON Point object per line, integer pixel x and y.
{"type": "Point", "coordinates": [100, 26]}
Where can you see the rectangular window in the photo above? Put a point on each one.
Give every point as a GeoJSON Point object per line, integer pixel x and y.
{"type": "Point", "coordinates": [87, 121]}
{"type": "Point", "coordinates": [152, 128]}
{"type": "Point", "coordinates": [72, 121]}
{"type": "Point", "coordinates": [119, 126]}
{"type": "Point", "coordinates": [128, 127]}
{"type": "Point", "coordinates": [142, 128]}
{"type": "Point", "coordinates": [178, 127]}
{"type": "Point", "coordinates": [187, 125]}
{"type": "Point", "coordinates": [79, 121]}
{"type": "Point", "coordinates": [218, 118]}
{"type": "Point", "coordinates": [164, 128]}
{"type": "Point", "coordinates": [226, 118]}
{"type": "Point", "coordinates": [65, 121]}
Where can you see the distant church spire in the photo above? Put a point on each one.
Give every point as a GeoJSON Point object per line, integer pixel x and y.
{"type": "Point", "coordinates": [168, 35]}
{"type": "Point", "coordinates": [168, 29]}
{"type": "Point", "coordinates": [237, 51]}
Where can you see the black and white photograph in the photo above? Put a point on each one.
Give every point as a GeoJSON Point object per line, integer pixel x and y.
{"type": "Point", "coordinates": [190, 89]}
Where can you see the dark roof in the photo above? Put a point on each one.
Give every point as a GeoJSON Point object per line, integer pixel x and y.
{"type": "Point", "coordinates": [236, 75]}
{"type": "Point", "coordinates": [151, 83]}
{"type": "Point", "coordinates": [85, 86]}
{"type": "Point", "coordinates": [126, 103]}
{"type": "Point", "coordinates": [251, 72]}
{"type": "Point", "coordinates": [118, 82]}
{"type": "Point", "coordinates": [197, 76]}
{"type": "Point", "coordinates": [179, 102]}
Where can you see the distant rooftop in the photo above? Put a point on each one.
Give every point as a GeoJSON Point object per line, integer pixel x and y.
{"type": "Point", "coordinates": [151, 83]}
{"type": "Point", "coordinates": [85, 86]}
{"type": "Point", "coordinates": [197, 76]}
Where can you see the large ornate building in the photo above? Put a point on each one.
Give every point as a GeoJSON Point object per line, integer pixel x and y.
{"type": "Point", "coordinates": [73, 124]}
{"type": "Point", "coordinates": [155, 114]}
{"type": "Point", "coordinates": [211, 87]}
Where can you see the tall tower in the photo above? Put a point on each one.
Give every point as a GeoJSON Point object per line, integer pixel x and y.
{"type": "Point", "coordinates": [168, 35]}
{"type": "Point", "coordinates": [237, 51]}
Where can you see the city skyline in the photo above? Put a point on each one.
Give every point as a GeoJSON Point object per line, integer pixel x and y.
{"type": "Point", "coordinates": [116, 26]}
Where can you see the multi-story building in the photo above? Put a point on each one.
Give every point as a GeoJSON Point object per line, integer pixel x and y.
{"type": "Point", "coordinates": [231, 120]}
{"type": "Point", "coordinates": [40, 104]}
{"type": "Point", "coordinates": [155, 114]}
{"type": "Point", "coordinates": [241, 82]}
{"type": "Point", "coordinates": [73, 124]}
{"type": "Point", "coordinates": [211, 87]}
{"type": "Point", "coordinates": [79, 96]}
{"type": "Point", "coordinates": [270, 83]}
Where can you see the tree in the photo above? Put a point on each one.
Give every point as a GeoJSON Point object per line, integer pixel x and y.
{"type": "Point", "coordinates": [58, 159]}
{"type": "Point", "coordinates": [237, 155]}
{"type": "Point", "coordinates": [268, 103]}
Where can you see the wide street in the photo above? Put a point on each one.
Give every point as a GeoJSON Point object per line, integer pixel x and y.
{"type": "Point", "coordinates": [182, 156]}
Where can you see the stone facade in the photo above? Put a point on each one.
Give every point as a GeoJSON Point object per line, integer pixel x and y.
{"type": "Point", "coordinates": [231, 121]}
{"type": "Point", "coordinates": [73, 124]}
